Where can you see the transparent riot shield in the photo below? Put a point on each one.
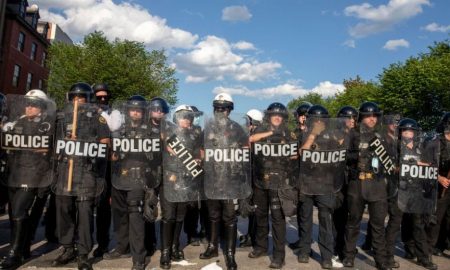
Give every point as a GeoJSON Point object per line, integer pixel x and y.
{"type": "Point", "coordinates": [182, 166]}
{"type": "Point", "coordinates": [27, 136]}
{"type": "Point", "coordinates": [323, 157]}
{"type": "Point", "coordinates": [419, 170]}
{"type": "Point", "coordinates": [227, 157]}
{"type": "Point", "coordinates": [275, 160]}
{"type": "Point", "coordinates": [80, 156]}
{"type": "Point", "coordinates": [377, 160]}
{"type": "Point", "coordinates": [134, 147]}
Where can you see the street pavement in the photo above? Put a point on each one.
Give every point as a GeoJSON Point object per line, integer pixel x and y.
{"type": "Point", "coordinates": [43, 253]}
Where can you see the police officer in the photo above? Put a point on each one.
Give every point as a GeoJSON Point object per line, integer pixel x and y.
{"type": "Point", "coordinates": [129, 181]}
{"type": "Point", "coordinates": [300, 129]}
{"type": "Point", "coordinates": [103, 213]}
{"type": "Point", "coordinates": [412, 152]}
{"type": "Point", "coordinates": [443, 203]}
{"type": "Point", "coordinates": [3, 176]}
{"type": "Point", "coordinates": [254, 120]}
{"type": "Point", "coordinates": [219, 130]}
{"type": "Point", "coordinates": [319, 137]}
{"type": "Point", "coordinates": [271, 175]}
{"type": "Point", "coordinates": [373, 192]}
{"type": "Point", "coordinates": [29, 167]}
{"type": "Point", "coordinates": [349, 115]}
{"type": "Point", "coordinates": [180, 185]}
{"type": "Point", "coordinates": [77, 197]}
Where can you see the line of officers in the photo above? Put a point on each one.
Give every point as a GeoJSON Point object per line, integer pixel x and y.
{"type": "Point", "coordinates": [216, 172]}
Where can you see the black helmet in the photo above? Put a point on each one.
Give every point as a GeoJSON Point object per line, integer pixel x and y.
{"type": "Point", "coordinates": [369, 108]}
{"type": "Point", "coordinates": [302, 109]}
{"type": "Point", "coordinates": [137, 101]}
{"type": "Point", "coordinates": [444, 124]}
{"type": "Point", "coordinates": [317, 111]}
{"type": "Point", "coordinates": [276, 108]}
{"type": "Point", "coordinates": [101, 87]}
{"type": "Point", "coordinates": [408, 124]}
{"type": "Point", "coordinates": [158, 103]}
{"type": "Point", "coordinates": [80, 89]}
{"type": "Point", "coordinates": [347, 112]}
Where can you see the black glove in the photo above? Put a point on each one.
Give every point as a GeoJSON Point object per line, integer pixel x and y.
{"type": "Point", "coordinates": [150, 205]}
{"type": "Point", "coordinates": [245, 208]}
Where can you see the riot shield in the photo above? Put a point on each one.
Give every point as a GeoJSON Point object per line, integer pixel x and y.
{"type": "Point", "coordinates": [323, 157]}
{"type": "Point", "coordinates": [275, 160]}
{"type": "Point", "coordinates": [182, 169]}
{"type": "Point", "coordinates": [419, 169]}
{"type": "Point", "coordinates": [133, 149]}
{"type": "Point", "coordinates": [27, 135]}
{"type": "Point", "coordinates": [227, 158]}
{"type": "Point", "coordinates": [80, 157]}
{"type": "Point", "coordinates": [377, 161]}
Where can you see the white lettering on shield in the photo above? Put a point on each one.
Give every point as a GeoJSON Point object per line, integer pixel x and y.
{"type": "Point", "coordinates": [81, 149]}
{"type": "Point", "coordinates": [276, 150]}
{"type": "Point", "coordinates": [323, 157]}
{"type": "Point", "coordinates": [420, 172]}
{"type": "Point", "coordinates": [125, 145]}
{"type": "Point", "coordinates": [25, 141]}
{"type": "Point", "coordinates": [227, 155]}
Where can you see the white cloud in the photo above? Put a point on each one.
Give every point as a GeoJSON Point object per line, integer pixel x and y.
{"type": "Point", "coordinates": [383, 17]}
{"type": "Point", "coordinates": [213, 59]}
{"type": "Point", "coordinates": [325, 88]}
{"type": "Point", "coordinates": [243, 45]}
{"type": "Point", "coordinates": [236, 13]}
{"type": "Point", "coordinates": [350, 43]}
{"type": "Point", "coordinates": [394, 44]}
{"type": "Point", "coordinates": [125, 20]}
{"type": "Point", "coordinates": [434, 27]}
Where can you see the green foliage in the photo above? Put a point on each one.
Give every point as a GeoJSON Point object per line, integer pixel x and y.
{"type": "Point", "coordinates": [126, 66]}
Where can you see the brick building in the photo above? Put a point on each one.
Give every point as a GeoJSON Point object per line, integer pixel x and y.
{"type": "Point", "coordinates": [23, 49]}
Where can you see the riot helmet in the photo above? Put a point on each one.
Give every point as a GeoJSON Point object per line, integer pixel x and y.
{"type": "Point", "coordinates": [317, 111]}
{"type": "Point", "coordinates": [347, 112]}
{"type": "Point", "coordinates": [254, 117]}
{"type": "Point", "coordinates": [276, 108]}
{"type": "Point", "coordinates": [80, 89]}
{"type": "Point", "coordinates": [36, 98]}
{"type": "Point", "coordinates": [102, 87]}
{"type": "Point", "coordinates": [183, 112]}
{"type": "Point", "coordinates": [223, 101]}
{"type": "Point", "coordinates": [408, 124]}
{"type": "Point", "coordinates": [368, 108]}
{"type": "Point", "coordinates": [159, 104]}
{"type": "Point", "coordinates": [136, 107]}
{"type": "Point", "coordinates": [302, 109]}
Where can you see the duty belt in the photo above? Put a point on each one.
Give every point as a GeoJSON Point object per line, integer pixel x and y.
{"type": "Point", "coordinates": [365, 176]}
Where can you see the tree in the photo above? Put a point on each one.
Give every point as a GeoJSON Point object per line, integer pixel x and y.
{"type": "Point", "coordinates": [126, 66]}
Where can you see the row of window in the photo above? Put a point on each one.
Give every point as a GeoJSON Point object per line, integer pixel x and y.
{"type": "Point", "coordinates": [16, 76]}
{"type": "Point", "coordinates": [34, 46]}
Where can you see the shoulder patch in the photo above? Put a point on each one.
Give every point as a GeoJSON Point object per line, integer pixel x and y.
{"type": "Point", "coordinates": [102, 120]}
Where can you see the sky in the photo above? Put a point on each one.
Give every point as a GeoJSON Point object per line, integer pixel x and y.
{"type": "Point", "coordinates": [262, 51]}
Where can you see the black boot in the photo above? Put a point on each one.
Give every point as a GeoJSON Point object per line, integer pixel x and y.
{"type": "Point", "coordinates": [84, 263]}
{"type": "Point", "coordinates": [68, 255]}
{"type": "Point", "coordinates": [177, 254]}
{"type": "Point", "coordinates": [230, 246]}
{"type": "Point", "coordinates": [212, 249]}
{"type": "Point", "coordinates": [166, 243]}
{"type": "Point", "coordinates": [18, 237]}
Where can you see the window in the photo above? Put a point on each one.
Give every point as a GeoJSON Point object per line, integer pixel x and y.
{"type": "Point", "coordinates": [29, 81]}
{"type": "Point", "coordinates": [40, 84]}
{"type": "Point", "coordinates": [21, 43]}
{"type": "Point", "coordinates": [44, 57]}
{"type": "Point", "coordinates": [33, 51]}
{"type": "Point", "coordinates": [16, 75]}
{"type": "Point", "coordinates": [22, 8]}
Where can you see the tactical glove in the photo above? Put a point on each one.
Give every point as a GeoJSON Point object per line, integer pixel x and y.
{"type": "Point", "coordinates": [150, 206]}
{"type": "Point", "coordinates": [245, 208]}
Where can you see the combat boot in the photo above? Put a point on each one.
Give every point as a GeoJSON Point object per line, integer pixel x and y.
{"type": "Point", "coordinates": [84, 263]}
{"type": "Point", "coordinates": [230, 233]}
{"type": "Point", "coordinates": [15, 256]}
{"type": "Point", "coordinates": [427, 263]}
{"type": "Point", "coordinates": [67, 256]}
{"type": "Point", "coordinates": [177, 254]}
{"type": "Point", "coordinates": [212, 249]}
{"type": "Point", "coordinates": [166, 243]}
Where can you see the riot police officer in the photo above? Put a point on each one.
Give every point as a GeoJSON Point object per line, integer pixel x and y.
{"type": "Point", "coordinates": [271, 176]}
{"type": "Point", "coordinates": [224, 181]}
{"type": "Point", "coordinates": [254, 119]}
{"type": "Point", "coordinates": [415, 197]}
{"type": "Point", "coordinates": [367, 185]}
{"type": "Point", "coordinates": [103, 212]}
{"type": "Point", "coordinates": [29, 165]}
{"type": "Point", "coordinates": [182, 179]}
{"type": "Point", "coordinates": [80, 177]}
{"type": "Point", "coordinates": [130, 169]}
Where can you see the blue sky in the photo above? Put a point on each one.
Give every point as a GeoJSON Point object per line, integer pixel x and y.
{"type": "Point", "coordinates": [261, 51]}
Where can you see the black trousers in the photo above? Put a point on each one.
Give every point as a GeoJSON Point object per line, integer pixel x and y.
{"type": "Point", "coordinates": [103, 217]}
{"type": "Point", "coordinates": [325, 204]}
{"type": "Point", "coordinates": [129, 222]}
{"type": "Point", "coordinates": [21, 200]}
{"type": "Point", "coordinates": [393, 226]}
{"type": "Point", "coordinates": [377, 213]}
{"type": "Point", "coordinates": [433, 228]}
{"type": "Point", "coordinates": [266, 200]}
{"type": "Point", "coordinates": [74, 215]}
{"type": "Point", "coordinates": [340, 216]}
{"type": "Point", "coordinates": [172, 211]}
{"type": "Point", "coordinates": [414, 236]}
